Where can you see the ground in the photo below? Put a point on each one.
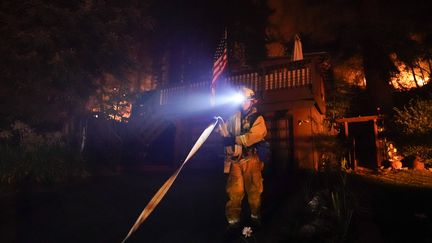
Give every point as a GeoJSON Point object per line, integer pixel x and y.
{"type": "Point", "coordinates": [103, 208]}
{"type": "Point", "coordinates": [403, 177]}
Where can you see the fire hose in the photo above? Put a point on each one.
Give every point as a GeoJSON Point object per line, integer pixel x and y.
{"type": "Point", "coordinates": [167, 185]}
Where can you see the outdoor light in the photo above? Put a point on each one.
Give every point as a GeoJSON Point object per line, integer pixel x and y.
{"type": "Point", "coordinates": [234, 98]}
{"type": "Point", "coordinates": [238, 98]}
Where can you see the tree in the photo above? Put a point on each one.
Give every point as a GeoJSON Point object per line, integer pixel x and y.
{"type": "Point", "coordinates": [188, 32]}
{"type": "Point", "coordinates": [372, 29]}
{"type": "Point", "coordinates": [247, 24]}
{"type": "Point", "coordinates": [54, 54]}
{"type": "Point", "coordinates": [54, 51]}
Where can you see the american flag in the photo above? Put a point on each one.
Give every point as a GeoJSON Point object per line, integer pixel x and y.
{"type": "Point", "coordinates": [219, 65]}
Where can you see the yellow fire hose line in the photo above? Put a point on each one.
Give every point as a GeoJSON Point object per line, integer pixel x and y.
{"type": "Point", "coordinates": [167, 185]}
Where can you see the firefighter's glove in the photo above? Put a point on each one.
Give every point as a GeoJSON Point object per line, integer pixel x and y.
{"type": "Point", "coordinates": [228, 141]}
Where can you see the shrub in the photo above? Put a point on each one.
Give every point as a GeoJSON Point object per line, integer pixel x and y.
{"type": "Point", "coordinates": [414, 120]}
{"type": "Point", "coordinates": [416, 117]}
{"type": "Point", "coordinates": [38, 157]}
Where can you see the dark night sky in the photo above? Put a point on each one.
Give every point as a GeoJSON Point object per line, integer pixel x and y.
{"type": "Point", "coordinates": [323, 25]}
{"type": "Point", "coordinates": [189, 29]}
{"type": "Point", "coordinates": [323, 21]}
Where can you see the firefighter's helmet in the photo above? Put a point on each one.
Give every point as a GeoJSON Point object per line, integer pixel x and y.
{"type": "Point", "coordinates": [248, 93]}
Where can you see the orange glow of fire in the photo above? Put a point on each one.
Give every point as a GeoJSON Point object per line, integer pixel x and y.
{"type": "Point", "coordinates": [410, 76]}
{"type": "Point", "coordinates": [112, 96]}
{"type": "Point", "coordinates": [351, 71]}
{"type": "Point", "coordinates": [123, 109]}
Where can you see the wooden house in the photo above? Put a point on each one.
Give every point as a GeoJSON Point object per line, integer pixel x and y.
{"type": "Point", "coordinates": [292, 100]}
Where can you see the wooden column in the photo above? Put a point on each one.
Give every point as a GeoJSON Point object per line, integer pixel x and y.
{"type": "Point", "coordinates": [377, 146]}
{"type": "Point", "coordinates": [346, 129]}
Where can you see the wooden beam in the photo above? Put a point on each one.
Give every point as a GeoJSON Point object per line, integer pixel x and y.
{"type": "Point", "coordinates": [358, 119]}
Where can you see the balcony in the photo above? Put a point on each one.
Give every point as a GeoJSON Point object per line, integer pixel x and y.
{"type": "Point", "coordinates": [279, 83]}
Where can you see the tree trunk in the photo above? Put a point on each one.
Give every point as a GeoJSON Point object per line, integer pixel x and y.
{"type": "Point", "coordinates": [377, 65]}
{"type": "Point", "coordinates": [422, 73]}
{"type": "Point", "coordinates": [430, 69]}
{"type": "Point", "coordinates": [414, 76]}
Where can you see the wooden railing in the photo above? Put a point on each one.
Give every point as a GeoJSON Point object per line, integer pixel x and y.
{"type": "Point", "coordinates": [278, 77]}
{"type": "Point", "coordinates": [173, 94]}
{"type": "Point", "coordinates": [251, 80]}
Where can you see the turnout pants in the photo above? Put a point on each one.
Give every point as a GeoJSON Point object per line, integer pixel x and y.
{"type": "Point", "coordinates": [244, 176]}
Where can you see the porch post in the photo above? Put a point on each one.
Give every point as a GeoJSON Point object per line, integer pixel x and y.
{"type": "Point", "coordinates": [377, 146]}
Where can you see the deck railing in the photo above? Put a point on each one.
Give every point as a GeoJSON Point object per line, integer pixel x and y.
{"type": "Point", "coordinates": [285, 76]}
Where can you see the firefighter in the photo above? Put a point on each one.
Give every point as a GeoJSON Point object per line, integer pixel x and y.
{"type": "Point", "coordinates": [245, 129]}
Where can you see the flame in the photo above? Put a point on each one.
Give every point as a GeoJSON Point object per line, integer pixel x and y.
{"type": "Point", "coordinates": [112, 98]}
{"type": "Point", "coordinates": [351, 71]}
{"type": "Point", "coordinates": [410, 76]}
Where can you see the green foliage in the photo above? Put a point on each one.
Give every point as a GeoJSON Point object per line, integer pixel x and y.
{"type": "Point", "coordinates": [26, 155]}
{"type": "Point", "coordinates": [414, 123]}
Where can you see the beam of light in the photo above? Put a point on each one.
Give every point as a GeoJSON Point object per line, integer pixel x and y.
{"type": "Point", "coordinates": [187, 103]}
{"type": "Point", "coordinates": [236, 98]}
